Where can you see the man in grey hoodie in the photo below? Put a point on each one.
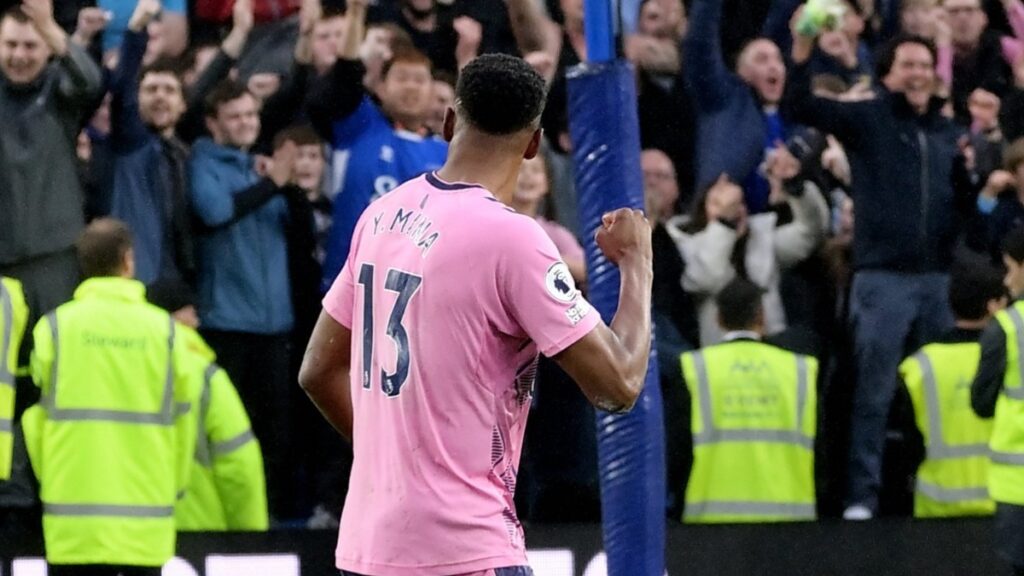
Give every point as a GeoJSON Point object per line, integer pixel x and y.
{"type": "Point", "coordinates": [47, 86]}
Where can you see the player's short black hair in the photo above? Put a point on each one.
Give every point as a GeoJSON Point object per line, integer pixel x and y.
{"type": "Point", "coordinates": [500, 94]}
{"type": "Point", "coordinates": [1013, 244]}
{"type": "Point", "coordinates": [972, 286]}
{"type": "Point", "coordinates": [739, 304]}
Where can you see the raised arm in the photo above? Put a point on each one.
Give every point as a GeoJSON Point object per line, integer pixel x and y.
{"type": "Point", "coordinates": [192, 125]}
{"type": "Point", "coordinates": [609, 363]}
{"type": "Point", "coordinates": [337, 94]}
{"type": "Point", "coordinates": [309, 14]}
{"type": "Point", "coordinates": [842, 119]}
{"type": "Point", "coordinates": [80, 80]}
{"type": "Point", "coordinates": [704, 69]}
{"type": "Point", "coordinates": [776, 24]}
{"type": "Point", "coordinates": [1015, 14]}
{"type": "Point", "coordinates": [533, 29]}
{"type": "Point", "coordinates": [470, 34]}
{"type": "Point", "coordinates": [127, 127]}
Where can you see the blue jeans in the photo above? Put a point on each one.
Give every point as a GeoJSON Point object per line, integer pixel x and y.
{"type": "Point", "coordinates": [891, 315]}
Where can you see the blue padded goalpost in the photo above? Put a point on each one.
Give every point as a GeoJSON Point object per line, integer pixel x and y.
{"type": "Point", "coordinates": [605, 133]}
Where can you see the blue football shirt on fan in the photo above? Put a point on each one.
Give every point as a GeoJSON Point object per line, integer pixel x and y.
{"type": "Point", "coordinates": [371, 158]}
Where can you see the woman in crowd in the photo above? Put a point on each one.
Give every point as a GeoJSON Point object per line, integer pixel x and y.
{"type": "Point", "coordinates": [530, 199]}
{"type": "Point", "coordinates": [721, 241]}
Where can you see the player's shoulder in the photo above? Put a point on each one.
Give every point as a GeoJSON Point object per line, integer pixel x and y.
{"type": "Point", "coordinates": [508, 224]}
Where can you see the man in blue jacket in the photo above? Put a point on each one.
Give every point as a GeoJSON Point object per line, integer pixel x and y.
{"type": "Point", "coordinates": [150, 181]}
{"type": "Point", "coordinates": [738, 119]}
{"type": "Point", "coordinates": [244, 292]}
{"type": "Point", "coordinates": [911, 195]}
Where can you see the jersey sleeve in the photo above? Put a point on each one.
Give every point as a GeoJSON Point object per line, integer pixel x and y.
{"type": "Point", "coordinates": [539, 292]}
{"type": "Point", "coordinates": [340, 299]}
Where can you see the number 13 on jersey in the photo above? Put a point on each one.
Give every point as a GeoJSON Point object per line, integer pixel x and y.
{"type": "Point", "coordinates": [406, 285]}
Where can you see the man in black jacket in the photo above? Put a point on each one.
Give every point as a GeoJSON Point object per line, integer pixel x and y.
{"type": "Point", "coordinates": [904, 158]}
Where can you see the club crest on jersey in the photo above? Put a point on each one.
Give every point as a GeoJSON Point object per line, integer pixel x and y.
{"type": "Point", "coordinates": [559, 283]}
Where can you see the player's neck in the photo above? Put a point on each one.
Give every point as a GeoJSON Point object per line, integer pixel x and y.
{"type": "Point", "coordinates": [484, 161]}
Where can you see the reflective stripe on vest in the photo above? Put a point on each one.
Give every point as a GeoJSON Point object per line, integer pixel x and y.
{"type": "Point", "coordinates": [748, 508]}
{"type": "Point", "coordinates": [118, 510]}
{"type": "Point", "coordinates": [202, 442]}
{"type": "Point", "coordinates": [712, 435]}
{"type": "Point", "coordinates": [6, 377]}
{"type": "Point", "coordinates": [229, 446]}
{"type": "Point", "coordinates": [937, 448]}
{"type": "Point", "coordinates": [165, 417]}
{"type": "Point", "coordinates": [1017, 392]}
{"type": "Point", "coordinates": [205, 451]}
{"type": "Point", "coordinates": [951, 495]}
{"type": "Point", "coordinates": [1011, 458]}
{"type": "Point", "coordinates": [7, 309]}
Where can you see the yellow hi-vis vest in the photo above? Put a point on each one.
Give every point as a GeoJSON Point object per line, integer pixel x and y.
{"type": "Point", "coordinates": [754, 420]}
{"type": "Point", "coordinates": [13, 317]}
{"type": "Point", "coordinates": [952, 480]}
{"type": "Point", "coordinates": [227, 490]}
{"type": "Point", "coordinates": [1006, 471]}
{"type": "Point", "coordinates": [113, 438]}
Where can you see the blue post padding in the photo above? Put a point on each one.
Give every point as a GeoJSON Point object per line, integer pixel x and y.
{"type": "Point", "coordinates": [631, 456]}
{"type": "Point", "coordinates": [599, 30]}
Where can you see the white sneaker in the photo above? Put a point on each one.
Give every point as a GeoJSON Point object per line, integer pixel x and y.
{"type": "Point", "coordinates": [858, 513]}
{"type": "Point", "coordinates": [322, 519]}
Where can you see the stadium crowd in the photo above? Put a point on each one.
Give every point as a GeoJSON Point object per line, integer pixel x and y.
{"type": "Point", "coordinates": [240, 140]}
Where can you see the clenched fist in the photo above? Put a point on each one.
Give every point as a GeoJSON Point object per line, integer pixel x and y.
{"type": "Point", "coordinates": [625, 233]}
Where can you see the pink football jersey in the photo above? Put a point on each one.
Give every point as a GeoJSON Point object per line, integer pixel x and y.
{"type": "Point", "coordinates": [450, 296]}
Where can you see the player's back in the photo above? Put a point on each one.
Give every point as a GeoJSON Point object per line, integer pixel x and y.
{"type": "Point", "coordinates": [441, 380]}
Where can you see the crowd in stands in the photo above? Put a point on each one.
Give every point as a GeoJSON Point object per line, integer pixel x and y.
{"type": "Point", "coordinates": [844, 175]}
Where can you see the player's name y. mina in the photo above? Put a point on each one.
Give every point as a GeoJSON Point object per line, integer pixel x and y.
{"type": "Point", "coordinates": [409, 223]}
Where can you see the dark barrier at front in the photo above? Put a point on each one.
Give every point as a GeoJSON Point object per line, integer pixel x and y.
{"type": "Point", "coordinates": [880, 548]}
